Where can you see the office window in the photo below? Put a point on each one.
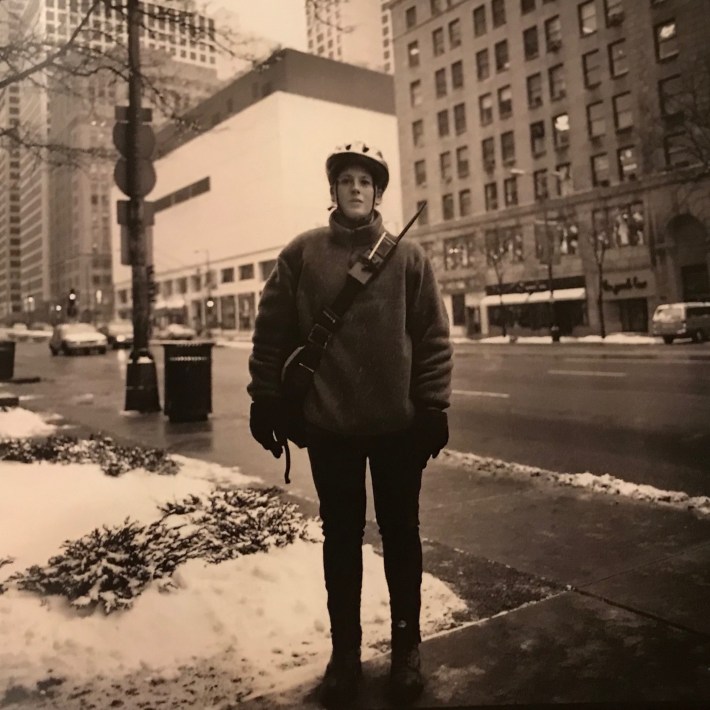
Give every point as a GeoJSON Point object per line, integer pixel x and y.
{"type": "Point", "coordinates": [485, 108]}
{"type": "Point", "coordinates": [505, 102]}
{"type": "Point", "coordinates": [445, 166]}
{"type": "Point", "coordinates": [537, 137]}
{"type": "Point", "coordinates": [540, 184]}
{"type": "Point", "coordinates": [440, 83]}
{"type": "Point", "coordinates": [614, 11]}
{"type": "Point", "coordinates": [420, 172]}
{"type": "Point", "coordinates": [628, 164]}
{"type": "Point", "coordinates": [498, 12]}
{"type": "Point", "coordinates": [415, 93]}
{"type": "Point", "coordinates": [413, 54]}
{"type": "Point", "coordinates": [442, 122]}
{"type": "Point", "coordinates": [591, 66]}
{"type": "Point", "coordinates": [526, 6]}
{"type": "Point", "coordinates": [510, 191]}
{"type": "Point", "coordinates": [596, 123]}
{"type": "Point", "coordinates": [623, 113]}
{"type": "Point", "coordinates": [560, 130]}
{"type": "Point", "coordinates": [507, 147]}
{"type": "Point", "coordinates": [618, 61]}
{"type": "Point", "coordinates": [534, 84]}
{"type": "Point", "coordinates": [564, 179]}
{"type": "Point", "coordinates": [530, 43]}
{"type": "Point", "coordinates": [479, 21]}
{"type": "Point", "coordinates": [457, 75]}
{"type": "Point", "coordinates": [483, 69]}
{"type": "Point", "coordinates": [666, 40]}
{"type": "Point", "coordinates": [676, 150]}
{"type": "Point", "coordinates": [460, 252]}
{"type": "Point", "coordinates": [423, 218]}
{"type": "Point", "coordinates": [462, 169]}
{"type": "Point", "coordinates": [418, 133]}
{"type": "Point", "coordinates": [460, 118]}
{"type": "Point", "coordinates": [227, 275]}
{"type": "Point", "coordinates": [465, 206]}
{"type": "Point", "coordinates": [587, 18]}
{"type": "Point", "coordinates": [553, 34]}
{"type": "Point", "coordinates": [488, 152]}
{"type": "Point", "coordinates": [447, 206]}
{"type": "Point", "coordinates": [454, 34]}
{"type": "Point", "coordinates": [600, 170]}
{"type": "Point", "coordinates": [410, 17]}
{"type": "Point", "coordinates": [246, 272]}
{"type": "Point", "coordinates": [437, 38]}
{"type": "Point", "coordinates": [669, 92]}
{"type": "Point", "coordinates": [501, 53]}
{"type": "Point", "coordinates": [435, 6]}
{"type": "Point", "coordinates": [558, 87]}
{"type": "Point", "coordinates": [490, 196]}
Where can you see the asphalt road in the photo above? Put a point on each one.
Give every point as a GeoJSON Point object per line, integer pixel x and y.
{"type": "Point", "coordinates": [638, 413]}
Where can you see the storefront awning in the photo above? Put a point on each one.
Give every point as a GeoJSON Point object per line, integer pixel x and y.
{"type": "Point", "coordinates": [510, 299]}
{"type": "Point", "coordinates": [169, 303]}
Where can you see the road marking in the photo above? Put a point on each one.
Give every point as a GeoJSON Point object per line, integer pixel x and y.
{"type": "Point", "coordinates": [587, 373]}
{"type": "Point", "coordinates": [476, 393]}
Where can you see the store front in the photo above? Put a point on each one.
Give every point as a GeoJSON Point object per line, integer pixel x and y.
{"type": "Point", "coordinates": [626, 297]}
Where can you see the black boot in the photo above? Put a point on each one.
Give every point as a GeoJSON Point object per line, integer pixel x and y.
{"type": "Point", "coordinates": [406, 680]}
{"type": "Point", "coordinates": [341, 681]}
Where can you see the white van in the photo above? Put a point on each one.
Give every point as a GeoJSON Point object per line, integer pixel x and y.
{"type": "Point", "coordinates": [682, 320]}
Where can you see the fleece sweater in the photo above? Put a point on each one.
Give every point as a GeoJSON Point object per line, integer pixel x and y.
{"type": "Point", "coordinates": [392, 353]}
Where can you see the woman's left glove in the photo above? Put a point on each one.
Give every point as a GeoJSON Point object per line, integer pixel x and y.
{"type": "Point", "coordinates": [430, 433]}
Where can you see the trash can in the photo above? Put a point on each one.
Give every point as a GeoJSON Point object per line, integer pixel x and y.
{"type": "Point", "coordinates": [188, 381]}
{"type": "Point", "coordinates": [7, 359]}
{"type": "Point", "coordinates": [555, 333]}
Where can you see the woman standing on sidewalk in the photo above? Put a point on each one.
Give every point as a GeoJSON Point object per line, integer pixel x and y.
{"type": "Point", "coordinates": [379, 395]}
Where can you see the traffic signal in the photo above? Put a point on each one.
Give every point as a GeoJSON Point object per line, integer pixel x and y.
{"type": "Point", "coordinates": [72, 299]}
{"type": "Point", "coordinates": [152, 286]}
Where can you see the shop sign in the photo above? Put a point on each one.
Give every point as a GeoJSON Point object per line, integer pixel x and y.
{"type": "Point", "coordinates": [625, 287]}
{"type": "Point", "coordinates": [461, 285]}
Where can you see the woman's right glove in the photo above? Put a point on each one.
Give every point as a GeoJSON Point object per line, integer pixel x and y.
{"type": "Point", "coordinates": [267, 423]}
{"type": "Point", "coordinates": [430, 434]}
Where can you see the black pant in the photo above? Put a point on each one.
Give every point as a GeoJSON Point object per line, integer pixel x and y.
{"type": "Point", "coordinates": [338, 465]}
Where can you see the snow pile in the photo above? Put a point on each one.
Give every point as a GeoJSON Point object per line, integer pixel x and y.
{"type": "Point", "coordinates": [17, 423]}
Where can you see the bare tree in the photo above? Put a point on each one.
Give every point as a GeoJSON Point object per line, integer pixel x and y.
{"type": "Point", "coordinates": [498, 248]}
{"type": "Point", "coordinates": [599, 241]}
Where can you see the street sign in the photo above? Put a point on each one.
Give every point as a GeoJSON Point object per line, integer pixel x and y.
{"type": "Point", "coordinates": [146, 212]}
{"type": "Point", "coordinates": [145, 139]}
{"type": "Point", "coordinates": [145, 174]}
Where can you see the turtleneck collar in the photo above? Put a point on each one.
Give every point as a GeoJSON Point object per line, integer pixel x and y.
{"type": "Point", "coordinates": [355, 235]}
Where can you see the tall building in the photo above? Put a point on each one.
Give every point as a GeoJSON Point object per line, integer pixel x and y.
{"type": "Point", "coordinates": [559, 146]}
{"type": "Point", "coordinates": [352, 32]}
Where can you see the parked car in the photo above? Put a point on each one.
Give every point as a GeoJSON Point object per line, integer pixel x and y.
{"type": "Point", "coordinates": [71, 338]}
{"type": "Point", "coordinates": [118, 333]}
{"type": "Point", "coordinates": [177, 331]}
{"type": "Point", "coordinates": [682, 320]}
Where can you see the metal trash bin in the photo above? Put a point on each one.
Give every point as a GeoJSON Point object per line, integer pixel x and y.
{"type": "Point", "coordinates": [188, 381]}
{"type": "Point", "coordinates": [7, 359]}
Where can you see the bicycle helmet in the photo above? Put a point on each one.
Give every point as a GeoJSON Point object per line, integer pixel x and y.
{"type": "Point", "coordinates": [358, 153]}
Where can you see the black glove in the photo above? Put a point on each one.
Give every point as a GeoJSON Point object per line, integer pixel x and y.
{"type": "Point", "coordinates": [430, 434]}
{"type": "Point", "coordinates": [267, 423]}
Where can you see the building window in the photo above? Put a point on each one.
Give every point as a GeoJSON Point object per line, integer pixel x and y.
{"type": "Point", "coordinates": [488, 152]}
{"type": "Point", "coordinates": [666, 40]}
{"type": "Point", "coordinates": [628, 165]}
{"type": "Point", "coordinates": [530, 43]}
{"type": "Point", "coordinates": [462, 169]}
{"type": "Point", "coordinates": [618, 61]}
{"type": "Point", "coordinates": [587, 18]}
{"type": "Point", "coordinates": [510, 191]}
{"type": "Point", "coordinates": [442, 122]}
{"type": "Point", "coordinates": [227, 275]}
{"type": "Point", "coordinates": [614, 12]}
{"type": "Point", "coordinates": [415, 93]}
{"type": "Point", "coordinates": [420, 173]}
{"type": "Point", "coordinates": [418, 133]}
{"type": "Point", "coordinates": [534, 83]}
{"type": "Point", "coordinates": [498, 12]}
{"type": "Point", "coordinates": [600, 170]}
{"type": "Point", "coordinates": [505, 102]}
{"type": "Point", "coordinates": [596, 123]}
{"type": "Point", "coordinates": [558, 88]}
{"type": "Point", "coordinates": [413, 54]}
{"type": "Point", "coordinates": [246, 272]}
{"type": "Point", "coordinates": [507, 147]}
{"type": "Point", "coordinates": [435, 6]}
{"type": "Point", "coordinates": [483, 68]}
{"type": "Point", "coordinates": [502, 58]}
{"type": "Point", "coordinates": [460, 118]}
{"type": "Point", "coordinates": [553, 34]}
{"type": "Point", "coordinates": [485, 108]}
{"type": "Point", "coordinates": [437, 38]}
{"type": "Point", "coordinates": [669, 93]}
{"type": "Point", "coordinates": [592, 69]}
{"type": "Point", "coordinates": [457, 75]}
{"type": "Point", "coordinates": [465, 206]}
{"type": "Point", "coordinates": [527, 6]}
{"type": "Point", "coordinates": [479, 21]}
{"type": "Point", "coordinates": [537, 137]}
{"type": "Point", "coordinates": [560, 130]}
{"type": "Point", "coordinates": [440, 83]}
{"type": "Point", "coordinates": [410, 17]}
{"type": "Point", "coordinates": [460, 252]}
{"type": "Point", "coordinates": [540, 184]}
{"type": "Point", "coordinates": [623, 114]}
{"type": "Point", "coordinates": [447, 206]}
{"type": "Point", "coordinates": [445, 166]}
{"type": "Point", "coordinates": [564, 179]}
{"type": "Point", "coordinates": [423, 219]}
{"type": "Point", "coordinates": [455, 33]}
{"type": "Point", "coordinates": [676, 150]}
{"type": "Point", "coordinates": [490, 195]}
